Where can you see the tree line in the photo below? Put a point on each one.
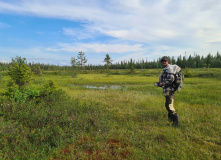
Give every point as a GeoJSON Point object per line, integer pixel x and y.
{"type": "Point", "coordinates": [80, 63]}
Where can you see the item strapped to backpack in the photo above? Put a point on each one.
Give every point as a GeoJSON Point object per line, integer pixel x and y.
{"type": "Point", "coordinates": [179, 77]}
{"type": "Point", "coordinates": [178, 82]}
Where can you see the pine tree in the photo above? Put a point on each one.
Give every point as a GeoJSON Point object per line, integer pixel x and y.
{"type": "Point", "coordinates": [108, 61]}
{"type": "Point", "coordinates": [81, 59]}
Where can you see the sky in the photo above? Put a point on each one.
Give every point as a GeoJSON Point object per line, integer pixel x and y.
{"type": "Point", "coordinates": [53, 31]}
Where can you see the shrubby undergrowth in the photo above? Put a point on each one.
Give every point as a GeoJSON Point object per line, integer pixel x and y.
{"type": "Point", "coordinates": [21, 95]}
{"type": "Point", "coordinates": [37, 127]}
{"type": "Point", "coordinates": [40, 121]}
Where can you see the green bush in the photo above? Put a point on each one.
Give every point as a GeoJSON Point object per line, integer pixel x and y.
{"type": "Point", "coordinates": [48, 88]}
{"type": "Point", "coordinates": [187, 73]}
{"type": "Point", "coordinates": [1, 77]}
{"type": "Point", "coordinates": [21, 95]}
{"type": "Point", "coordinates": [209, 75]}
{"type": "Point", "coordinates": [74, 74]}
{"type": "Point", "coordinates": [33, 129]}
{"type": "Point", "coordinates": [37, 70]}
{"type": "Point", "coordinates": [21, 74]}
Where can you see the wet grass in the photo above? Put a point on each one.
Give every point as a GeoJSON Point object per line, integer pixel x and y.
{"type": "Point", "coordinates": [129, 122]}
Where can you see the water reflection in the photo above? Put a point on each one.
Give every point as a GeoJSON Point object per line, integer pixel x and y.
{"type": "Point", "coordinates": [117, 87]}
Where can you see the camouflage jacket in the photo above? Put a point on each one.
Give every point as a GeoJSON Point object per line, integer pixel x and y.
{"type": "Point", "coordinates": [167, 79]}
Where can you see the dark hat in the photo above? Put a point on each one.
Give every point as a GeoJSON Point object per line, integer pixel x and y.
{"type": "Point", "coordinates": [165, 58]}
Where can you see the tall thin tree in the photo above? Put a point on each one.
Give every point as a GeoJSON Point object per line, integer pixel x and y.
{"type": "Point", "coordinates": [81, 59]}
{"type": "Point", "coordinates": [108, 61]}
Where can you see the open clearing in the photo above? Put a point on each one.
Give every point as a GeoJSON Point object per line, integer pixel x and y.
{"type": "Point", "coordinates": [125, 117]}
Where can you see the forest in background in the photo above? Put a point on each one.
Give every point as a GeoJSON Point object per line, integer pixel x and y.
{"type": "Point", "coordinates": [192, 61]}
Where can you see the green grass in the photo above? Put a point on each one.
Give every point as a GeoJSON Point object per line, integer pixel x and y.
{"type": "Point", "coordinates": [125, 123]}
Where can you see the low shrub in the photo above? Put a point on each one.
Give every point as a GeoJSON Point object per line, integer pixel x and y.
{"type": "Point", "coordinates": [209, 75]}
{"type": "Point", "coordinates": [188, 74]}
{"type": "Point", "coordinates": [31, 130]}
{"type": "Point", "coordinates": [49, 88]}
{"type": "Point", "coordinates": [21, 95]}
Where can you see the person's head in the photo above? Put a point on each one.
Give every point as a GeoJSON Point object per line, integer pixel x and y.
{"type": "Point", "coordinates": [165, 61]}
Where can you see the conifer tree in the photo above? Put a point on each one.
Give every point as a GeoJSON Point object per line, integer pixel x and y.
{"type": "Point", "coordinates": [131, 65]}
{"type": "Point", "coordinates": [108, 61]}
{"type": "Point", "coordinates": [81, 59]}
{"type": "Point", "coordinates": [20, 73]}
{"type": "Point", "coordinates": [73, 62]}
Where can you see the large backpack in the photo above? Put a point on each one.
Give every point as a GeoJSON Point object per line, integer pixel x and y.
{"type": "Point", "coordinates": [179, 77]}
{"type": "Point", "coordinates": [178, 82]}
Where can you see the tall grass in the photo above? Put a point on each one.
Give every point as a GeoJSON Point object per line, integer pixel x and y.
{"type": "Point", "coordinates": [128, 123]}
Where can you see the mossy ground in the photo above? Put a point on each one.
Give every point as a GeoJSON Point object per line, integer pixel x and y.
{"type": "Point", "coordinates": [129, 122]}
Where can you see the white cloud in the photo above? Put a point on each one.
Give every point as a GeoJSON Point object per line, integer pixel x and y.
{"type": "Point", "coordinates": [77, 33]}
{"type": "Point", "coordinates": [38, 54]}
{"type": "Point", "coordinates": [178, 25]}
{"type": "Point", "coordinates": [3, 61]}
{"type": "Point", "coordinates": [116, 33]}
{"type": "Point", "coordinates": [97, 48]}
{"type": "Point", "coordinates": [113, 48]}
{"type": "Point", "coordinates": [133, 56]}
{"type": "Point", "coordinates": [158, 16]}
{"type": "Point", "coordinates": [215, 41]}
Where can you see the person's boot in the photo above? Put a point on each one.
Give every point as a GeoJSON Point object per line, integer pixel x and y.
{"type": "Point", "coordinates": [170, 117]}
{"type": "Point", "coordinates": [175, 120]}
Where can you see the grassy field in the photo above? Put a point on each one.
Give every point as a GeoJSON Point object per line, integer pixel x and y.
{"type": "Point", "coordinates": [114, 116]}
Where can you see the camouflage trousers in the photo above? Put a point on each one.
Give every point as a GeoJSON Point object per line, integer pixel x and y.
{"type": "Point", "coordinates": [169, 99]}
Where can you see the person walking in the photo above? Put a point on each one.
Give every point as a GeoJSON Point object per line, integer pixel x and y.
{"type": "Point", "coordinates": [166, 79]}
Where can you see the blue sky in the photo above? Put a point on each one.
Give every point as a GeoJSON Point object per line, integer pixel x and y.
{"type": "Point", "coordinates": [53, 31]}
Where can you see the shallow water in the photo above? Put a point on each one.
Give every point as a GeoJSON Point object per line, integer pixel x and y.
{"type": "Point", "coordinates": [104, 87]}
